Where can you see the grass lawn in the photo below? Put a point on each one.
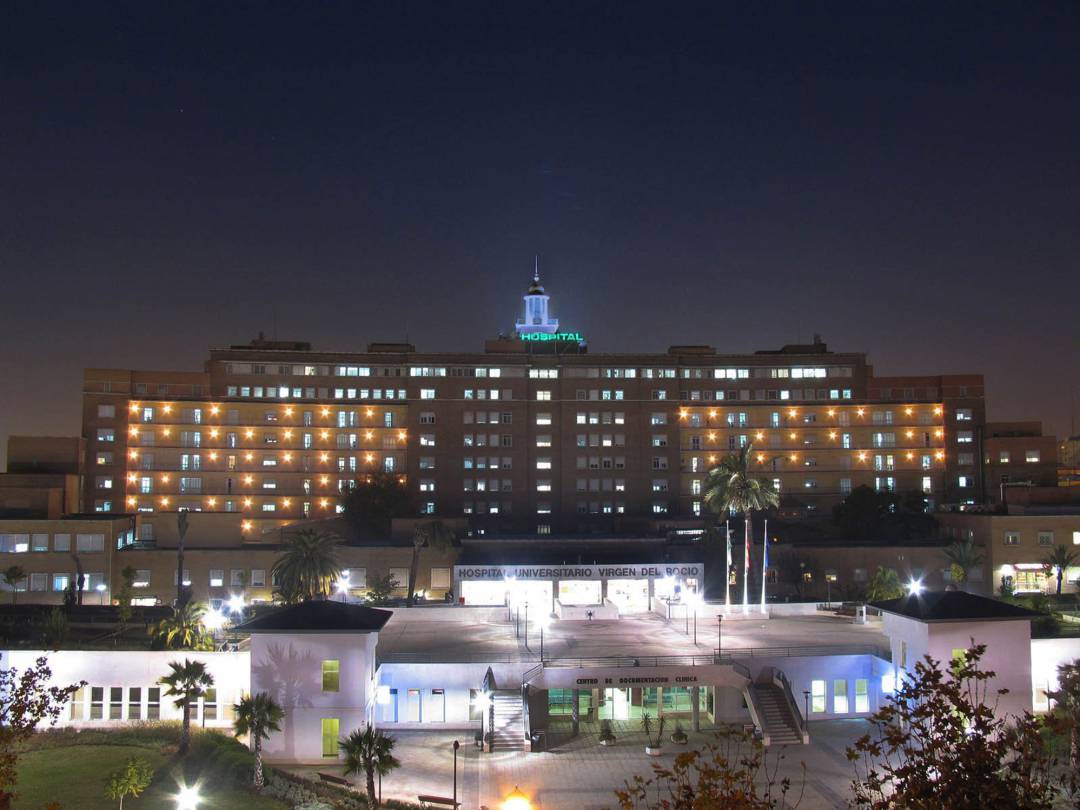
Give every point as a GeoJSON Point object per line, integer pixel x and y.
{"type": "Point", "coordinates": [75, 776]}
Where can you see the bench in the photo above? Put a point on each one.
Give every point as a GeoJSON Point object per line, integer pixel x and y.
{"type": "Point", "coordinates": [437, 801]}
{"type": "Point", "coordinates": [334, 780]}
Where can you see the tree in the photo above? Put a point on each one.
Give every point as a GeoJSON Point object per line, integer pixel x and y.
{"type": "Point", "coordinates": [124, 596]}
{"type": "Point", "coordinates": [25, 702]}
{"type": "Point", "coordinates": [380, 588]}
{"type": "Point", "coordinates": [182, 591]}
{"type": "Point", "coordinates": [184, 629]}
{"type": "Point", "coordinates": [732, 774]}
{"type": "Point", "coordinates": [55, 628]}
{"type": "Point", "coordinates": [187, 682]}
{"type": "Point", "coordinates": [884, 584]}
{"type": "Point", "coordinates": [257, 716]}
{"type": "Point", "coordinates": [369, 751]}
{"type": "Point", "coordinates": [308, 565]}
{"type": "Point", "coordinates": [862, 513]}
{"type": "Point", "coordinates": [939, 742]}
{"type": "Point", "coordinates": [372, 505]}
{"type": "Point", "coordinates": [131, 780]}
{"type": "Point", "coordinates": [1061, 558]}
{"type": "Point", "coordinates": [964, 557]}
{"type": "Point", "coordinates": [14, 574]}
{"type": "Point", "coordinates": [79, 582]}
{"type": "Point", "coordinates": [729, 487]}
{"type": "Point", "coordinates": [1065, 716]}
{"type": "Point", "coordinates": [435, 535]}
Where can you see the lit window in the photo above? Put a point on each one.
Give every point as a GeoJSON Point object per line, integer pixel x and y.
{"type": "Point", "coordinates": [331, 675]}
{"type": "Point", "coordinates": [817, 696]}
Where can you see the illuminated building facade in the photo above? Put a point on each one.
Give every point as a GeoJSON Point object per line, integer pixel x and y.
{"type": "Point", "coordinates": [532, 435]}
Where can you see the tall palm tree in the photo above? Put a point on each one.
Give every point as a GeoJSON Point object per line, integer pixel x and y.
{"type": "Point", "coordinates": [308, 565]}
{"type": "Point", "coordinates": [729, 487]}
{"type": "Point", "coordinates": [435, 535]}
{"type": "Point", "coordinates": [181, 532]}
{"type": "Point", "coordinates": [185, 685]}
{"type": "Point", "coordinates": [369, 751]}
{"type": "Point", "coordinates": [964, 557]}
{"type": "Point", "coordinates": [1061, 558]}
{"type": "Point", "coordinates": [257, 715]}
{"type": "Point", "coordinates": [183, 630]}
{"type": "Point", "coordinates": [13, 575]}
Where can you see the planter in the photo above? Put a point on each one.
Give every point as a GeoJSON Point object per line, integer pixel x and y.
{"type": "Point", "coordinates": [607, 740]}
{"type": "Point", "coordinates": [653, 751]}
{"type": "Point", "coordinates": [679, 739]}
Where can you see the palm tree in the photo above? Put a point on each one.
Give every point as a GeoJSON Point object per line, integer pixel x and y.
{"type": "Point", "coordinates": [729, 487]}
{"type": "Point", "coordinates": [186, 684]}
{"type": "Point", "coordinates": [308, 565]}
{"type": "Point", "coordinates": [1061, 558]}
{"type": "Point", "coordinates": [964, 556]}
{"type": "Point", "coordinates": [884, 584]}
{"type": "Point", "coordinates": [257, 715]}
{"type": "Point", "coordinates": [181, 532]}
{"type": "Point", "coordinates": [435, 535]}
{"type": "Point", "coordinates": [183, 630]}
{"type": "Point", "coordinates": [13, 575]}
{"type": "Point", "coordinates": [370, 752]}
{"type": "Point", "coordinates": [1067, 711]}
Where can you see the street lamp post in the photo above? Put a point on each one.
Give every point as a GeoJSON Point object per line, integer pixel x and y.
{"type": "Point", "coordinates": [457, 745]}
{"type": "Point", "coordinates": [695, 621]}
{"type": "Point", "coordinates": [686, 615]}
{"type": "Point", "coordinates": [719, 635]}
{"type": "Point", "coordinates": [806, 710]}
{"type": "Point", "coordinates": [526, 625]}
{"type": "Point", "coordinates": [100, 587]}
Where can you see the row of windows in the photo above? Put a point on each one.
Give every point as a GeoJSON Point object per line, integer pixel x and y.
{"type": "Point", "coordinates": [1045, 537]}
{"type": "Point", "coordinates": [840, 702]}
{"type": "Point", "coordinates": [40, 582]}
{"type": "Point", "coordinates": [22, 542]}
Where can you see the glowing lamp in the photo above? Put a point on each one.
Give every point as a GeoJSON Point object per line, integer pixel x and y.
{"type": "Point", "coordinates": [211, 501]}
{"type": "Point", "coordinates": [915, 587]}
{"type": "Point", "coordinates": [187, 799]}
{"type": "Point", "coordinates": [133, 453]}
{"type": "Point", "coordinates": [213, 433]}
{"type": "Point", "coordinates": [369, 434]}
{"type": "Point", "coordinates": [214, 409]}
{"type": "Point", "coordinates": [132, 478]}
{"type": "Point", "coordinates": [249, 433]}
{"type": "Point", "coordinates": [516, 800]}
{"type": "Point", "coordinates": [164, 501]}
{"type": "Point", "coordinates": [212, 456]}
{"type": "Point", "coordinates": [236, 603]}
{"type": "Point", "coordinates": [249, 456]}
{"type": "Point", "coordinates": [248, 479]}
{"type": "Point", "coordinates": [247, 502]}
{"type": "Point", "coordinates": [760, 435]}
{"type": "Point", "coordinates": [401, 435]}
{"type": "Point", "coordinates": [134, 406]}
{"type": "Point", "coordinates": [213, 620]}
{"type": "Point", "coordinates": [100, 587]}
{"type": "Point", "coordinates": [860, 412]}
{"type": "Point", "coordinates": [164, 478]}
{"type": "Point", "coordinates": [287, 457]}
{"type": "Point", "coordinates": [132, 501]}
{"type": "Point", "coordinates": [324, 434]}
{"type": "Point", "coordinates": [324, 456]}
{"type": "Point", "coordinates": [246, 525]}
{"type": "Point", "coordinates": [325, 411]}
{"type": "Point", "coordinates": [166, 432]}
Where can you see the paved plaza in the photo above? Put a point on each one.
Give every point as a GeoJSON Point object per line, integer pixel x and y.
{"type": "Point", "coordinates": [582, 774]}
{"type": "Point", "coordinates": [464, 634]}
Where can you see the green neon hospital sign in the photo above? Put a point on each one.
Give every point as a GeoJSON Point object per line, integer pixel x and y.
{"type": "Point", "coordinates": [560, 337]}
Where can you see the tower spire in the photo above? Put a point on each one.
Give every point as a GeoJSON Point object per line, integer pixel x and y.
{"type": "Point", "coordinates": [536, 268]}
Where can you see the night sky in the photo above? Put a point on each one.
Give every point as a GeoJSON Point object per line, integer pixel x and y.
{"type": "Point", "coordinates": [902, 178]}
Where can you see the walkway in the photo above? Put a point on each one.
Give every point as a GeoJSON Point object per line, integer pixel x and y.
{"type": "Point", "coordinates": [582, 774]}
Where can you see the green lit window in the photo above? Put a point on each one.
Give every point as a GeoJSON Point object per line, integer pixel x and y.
{"type": "Point", "coordinates": [817, 696]}
{"type": "Point", "coordinates": [862, 696]}
{"type": "Point", "coordinates": [331, 675]}
{"type": "Point", "coordinates": [330, 727]}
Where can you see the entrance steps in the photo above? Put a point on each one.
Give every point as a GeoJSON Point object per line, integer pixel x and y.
{"type": "Point", "coordinates": [508, 730]}
{"type": "Point", "coordinates": [776, 716]}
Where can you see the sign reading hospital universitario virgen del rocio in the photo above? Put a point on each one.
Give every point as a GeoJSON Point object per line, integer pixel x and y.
{"type": "Point", "coordinates": [469, 572]}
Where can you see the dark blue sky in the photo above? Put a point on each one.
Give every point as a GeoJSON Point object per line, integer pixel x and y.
{"type": "Point", "coordinates": [902, 178]}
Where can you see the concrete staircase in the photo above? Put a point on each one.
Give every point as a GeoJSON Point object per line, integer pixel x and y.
{"type": "Point", "coordinates": [780, 724]}
{"type": "Point", "coordinates": [508, 728]}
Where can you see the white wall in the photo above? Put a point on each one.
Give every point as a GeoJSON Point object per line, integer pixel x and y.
{"type": "Point", "coordinates": [1046, 655]}
{"type": "Point", "coordinates": [289, 668]}
{"type": "Point", "coordinates": [142, 669]}
{"type": "Point", "coordinates": [455, 679]}
{"type": "Point", "coordinates": [1006, 645]}
{"type": "Point", "coordinates": [801, 671]}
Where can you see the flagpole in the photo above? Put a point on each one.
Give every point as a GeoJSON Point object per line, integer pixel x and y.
{"type": "Point", "coordinates": [747, 526]}
{"type": "Point", "coordinates": [764, 564]}
{"type": "Point", "coordinates": [727, 571]}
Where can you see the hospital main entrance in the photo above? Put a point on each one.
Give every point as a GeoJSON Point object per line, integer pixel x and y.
{"type": "Point", "coordinates": [629, 595]}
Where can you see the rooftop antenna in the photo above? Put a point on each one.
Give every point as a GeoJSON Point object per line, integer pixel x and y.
{"type": "Point", "coordinates": [536, 268]}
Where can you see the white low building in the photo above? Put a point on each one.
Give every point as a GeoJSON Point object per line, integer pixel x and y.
{"type": "Point", "coordinates": [472, 669]}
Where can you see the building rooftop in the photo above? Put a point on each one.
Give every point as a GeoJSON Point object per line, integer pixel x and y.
{"type": "Point", "coordinates": [953, 606]}
{"type": "Point", "coordinates": [318, 617]}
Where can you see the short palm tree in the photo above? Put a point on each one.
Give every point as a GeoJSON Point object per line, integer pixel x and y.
{"type": "Point", "coordinates": [257, 715]}
{"type": "Point", "coordinates": [308, 565]}
{"type": "Point", "coordinates": [13, 575]}
{"type": "Point", "coordinates": [1060, 559]}
{"type": "Point", "coordinates": [187, 682]}
{"type": "Point", "coordinates": [183, 630]}
{"type": "Point", "coordinates": [964, 557]}
{"type": "Point", "coordinates": [729, 487]}
{"type": "Point", "coordinates": [1066, 713]}
{"type": "Point", "coordinates": [884, 584]}
{"type": "Point", "coordinates": [435, 535]}
{"type": "Point", "coordinates": [369, 751]}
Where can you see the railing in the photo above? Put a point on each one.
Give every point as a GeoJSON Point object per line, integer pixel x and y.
{"type": "Point", "coordinates": [756, 715]}
{"type": "Point", "coordinates": [529, 674]}
{"type": "Point", "coordinates": [781, 680]}
{"type": "Point", "coordinates": [729, 655]}
{"type": "Point", "coordinates": [526, 721]}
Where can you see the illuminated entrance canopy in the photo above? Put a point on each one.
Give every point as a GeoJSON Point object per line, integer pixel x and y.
{"type": "Point", "coordinates": [475, 572]}
{"type": "Point", "coordinates": [559, 337]}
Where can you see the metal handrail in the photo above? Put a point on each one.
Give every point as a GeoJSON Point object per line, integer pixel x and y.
{"type": "Point", "coordinates": [451, 658]}
{"type": "Point", "coordinates": [789, 696]}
